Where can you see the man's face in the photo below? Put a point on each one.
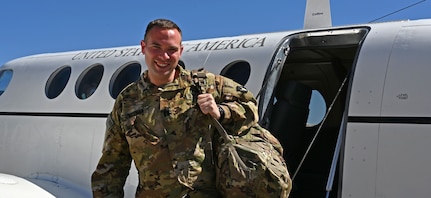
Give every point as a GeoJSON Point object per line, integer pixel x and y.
{"type": "Point", "coordinates": [162, 49]}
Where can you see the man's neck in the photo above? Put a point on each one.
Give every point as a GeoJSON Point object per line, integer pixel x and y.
{"type": "Point", "coordinates": [159, 82]}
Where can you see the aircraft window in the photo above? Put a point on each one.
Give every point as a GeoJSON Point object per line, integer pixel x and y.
{"type": "Point", "coordinates": [125, 75]}
{"type": "Point", "coordinates": [238, 71]}
{"type": "Point", "coordinates": [57, 82]}
{"type": "Point", "coordinates": [5, 77]}
{"type": "Point", "coordinates": [317, 109]}
{"type": "Point", "coordinates": [88, 81]}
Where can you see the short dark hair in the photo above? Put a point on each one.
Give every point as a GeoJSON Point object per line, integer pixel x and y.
{"type": "Point", "coordinates": [163, 23]}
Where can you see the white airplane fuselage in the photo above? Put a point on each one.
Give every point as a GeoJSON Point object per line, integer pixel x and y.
{"type": "Point", "coordinates": [377, 123]}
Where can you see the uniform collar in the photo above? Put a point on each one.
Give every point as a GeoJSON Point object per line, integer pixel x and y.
{"type": "Point", "coordinates": [182, 81]}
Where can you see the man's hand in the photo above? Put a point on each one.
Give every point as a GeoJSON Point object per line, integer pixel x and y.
{"type": "Point", "coordinates": [208, 105]}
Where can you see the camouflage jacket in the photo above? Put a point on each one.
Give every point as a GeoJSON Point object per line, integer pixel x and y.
{"type": "Point", "coordinates": [167, 136]}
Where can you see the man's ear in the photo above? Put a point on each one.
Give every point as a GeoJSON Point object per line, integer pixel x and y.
{"type": "Point", "coordinates": [181, 50]}
{"type": "Point", "coordinates": [143, 46]}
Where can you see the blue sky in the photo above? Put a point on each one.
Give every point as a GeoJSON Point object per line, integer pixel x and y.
{"type": "Point", "coordinates": [32, 27]}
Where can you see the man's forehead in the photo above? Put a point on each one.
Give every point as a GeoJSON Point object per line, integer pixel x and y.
{"type": "Point", "coordinates": [168, 37]}
{"type": "Point", "coordinates": [165, 31]}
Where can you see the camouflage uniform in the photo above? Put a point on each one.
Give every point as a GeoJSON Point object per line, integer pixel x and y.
{"type": "Point", "coordinates": [163, 130]}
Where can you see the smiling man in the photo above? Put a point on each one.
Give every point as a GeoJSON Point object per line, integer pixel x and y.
{"type": "Point", "coordinates": [164, 124]}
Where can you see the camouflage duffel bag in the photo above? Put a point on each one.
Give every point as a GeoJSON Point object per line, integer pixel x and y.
{"type": "Point", "coordinates": [251, 165]}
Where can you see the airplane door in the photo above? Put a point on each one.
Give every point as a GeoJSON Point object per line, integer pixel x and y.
{"type": "Point", "coordinates": [405, 136]}
{"type": "Point", "coordinates": [388, 130]}
{"type": "Point", "coordinates": [362, 132]}
{"type": "Point", "coordinates": [306, 66]}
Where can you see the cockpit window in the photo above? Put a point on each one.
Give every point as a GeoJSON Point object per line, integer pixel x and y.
{"type": "Point", "coordinates": [125, 75]}
{"type": "Point", "coordinates": [238, 71]}
{"type": "Point", "coordinates": [5, 77]}
{"type": "Point", "coordinates": [88, 81]}
{"type": "Point", "coordinates": [57, 82]}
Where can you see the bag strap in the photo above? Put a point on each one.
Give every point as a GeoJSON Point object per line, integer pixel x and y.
{"type": "Point", "coordinates": [200, 81]}
{"type": "Point", "coordinates": [199, 78]}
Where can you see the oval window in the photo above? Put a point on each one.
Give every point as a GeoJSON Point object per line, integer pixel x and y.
{"type": "Point", "coordinates": [88, 81]}
{"type": "Point", "coordinates": [317, 109]}
{"type": "Point", "coordinates": [124, 75]}
{"type": "Point", "coordinates": [238, 71]}
{"type": "Point", "coordinates": [5, 78]}
{"type": "Point", "coordinates": [57, 82]}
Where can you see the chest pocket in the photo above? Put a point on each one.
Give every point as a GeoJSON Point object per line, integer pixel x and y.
{"type": "Point", "coordinates": [180, 113]}
{"type": "Point", "coordinates": [173, 104]}
{"type": "Point", "coordinates": [136, 122]}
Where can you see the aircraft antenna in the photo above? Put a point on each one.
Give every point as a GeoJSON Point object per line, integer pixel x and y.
{"type": "Point", "coordinates": [409, 6]}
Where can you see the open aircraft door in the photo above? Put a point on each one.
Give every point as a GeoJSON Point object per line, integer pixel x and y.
{"type": "Point", "coordinates": [388, 133]}
{"type": "Point", "coordinates": [303, 103]}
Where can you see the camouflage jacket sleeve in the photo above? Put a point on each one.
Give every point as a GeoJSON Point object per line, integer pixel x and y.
{"type": "Point", "coordinates": [113, 168]}
{"type": "Point", "coordinates": [238, 104]}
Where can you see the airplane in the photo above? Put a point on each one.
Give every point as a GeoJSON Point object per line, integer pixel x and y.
{"type": "Point", "coordinates": [349, 104]}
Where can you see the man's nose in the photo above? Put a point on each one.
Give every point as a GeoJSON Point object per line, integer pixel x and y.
{"type": "Point", "coordinates": [165, 55]}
